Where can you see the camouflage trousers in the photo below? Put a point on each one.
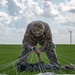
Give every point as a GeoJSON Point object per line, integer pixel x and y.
{"type": "Point", "coordinates": [51, 54]}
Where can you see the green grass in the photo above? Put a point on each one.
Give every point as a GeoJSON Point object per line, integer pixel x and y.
{"type": "Point", "coordinates": [10, 53]}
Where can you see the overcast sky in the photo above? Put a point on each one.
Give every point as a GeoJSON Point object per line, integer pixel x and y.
{"type": "Point", "coordinates": [16, 14]}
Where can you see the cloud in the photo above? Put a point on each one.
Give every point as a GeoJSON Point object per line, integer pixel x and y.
{"type": "Point", "coordinates": [32, 8]}
{"type": "Point", "coordinates": [44, 8]}
{"type": "Point", "coordinates": [5, 19]}
{"type": "Point", "coordinates": [68, 6]}
{"type": "Point", "coordinates": [66, 12]}
{"type": "Point", "coordinates": [49, 9]}
{"type": "Point", "coordinates": [20, 22]}
{"type": "Point", "coordinates": [72, 10]}
{"type": "Point", "coordinates": [12, 28]}
{"type": "Point", "coordinates": [11, 35]}
{"type": "Point", "coordinates": [13, 7]}
{"type": "Point", "coordinates": [66, 20]}
{"type": "Point", "coordinates": [66, 15]}
{"type": "Point", "coordinates": [3, 3]}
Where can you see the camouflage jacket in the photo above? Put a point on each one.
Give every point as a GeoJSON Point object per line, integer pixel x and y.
{"type": "Point", "coordinates": [45, 40]}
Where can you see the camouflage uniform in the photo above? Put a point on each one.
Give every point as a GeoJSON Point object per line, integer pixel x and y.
{"type": "Point", "coordinates": [45, 41]}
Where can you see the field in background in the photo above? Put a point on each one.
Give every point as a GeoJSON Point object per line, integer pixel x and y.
{"type": "Point", "coordinates": [10, 53]}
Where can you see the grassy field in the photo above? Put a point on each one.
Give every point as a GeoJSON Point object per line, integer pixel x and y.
{"type": "Point", "coordinates": [9, 55]}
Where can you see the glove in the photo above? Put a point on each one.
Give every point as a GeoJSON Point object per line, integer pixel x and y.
{"type": "Point", "coordinates": [36, 51]}
{"type": "Point", "coordinates": [32, 48]}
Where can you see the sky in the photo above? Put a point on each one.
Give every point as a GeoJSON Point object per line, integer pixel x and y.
{"type": "Point", "coordinates": [15, 15]}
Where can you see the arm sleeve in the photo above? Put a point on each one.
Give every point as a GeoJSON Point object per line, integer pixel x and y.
{"type": "Point", "coordinates": [48, 40]}
{"type": "Point", "coordinates": [27, 41]}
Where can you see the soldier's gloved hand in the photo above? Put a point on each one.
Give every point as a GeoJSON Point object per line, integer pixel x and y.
{"type": "Point", "coordinates": [32, 48]}
{"type": "Point", "coordinates": [37, 51]}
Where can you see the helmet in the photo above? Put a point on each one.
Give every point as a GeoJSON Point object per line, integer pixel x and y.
{"type": "Point", "coordinates": [37, 29]}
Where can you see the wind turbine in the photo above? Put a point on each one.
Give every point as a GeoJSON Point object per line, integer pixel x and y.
{"type": "Point", "coordinates": [70, 37]}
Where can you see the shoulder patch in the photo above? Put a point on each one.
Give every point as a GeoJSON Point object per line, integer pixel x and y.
{"type": "Point", "coordinates": [26, 34]}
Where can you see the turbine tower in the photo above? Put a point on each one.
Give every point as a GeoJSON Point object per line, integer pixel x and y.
{"type": "Point", "coordinates": [70, 37]}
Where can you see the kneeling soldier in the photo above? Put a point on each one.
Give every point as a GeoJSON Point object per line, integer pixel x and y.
{"type": "Point", "coordinates": [38, 32]}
